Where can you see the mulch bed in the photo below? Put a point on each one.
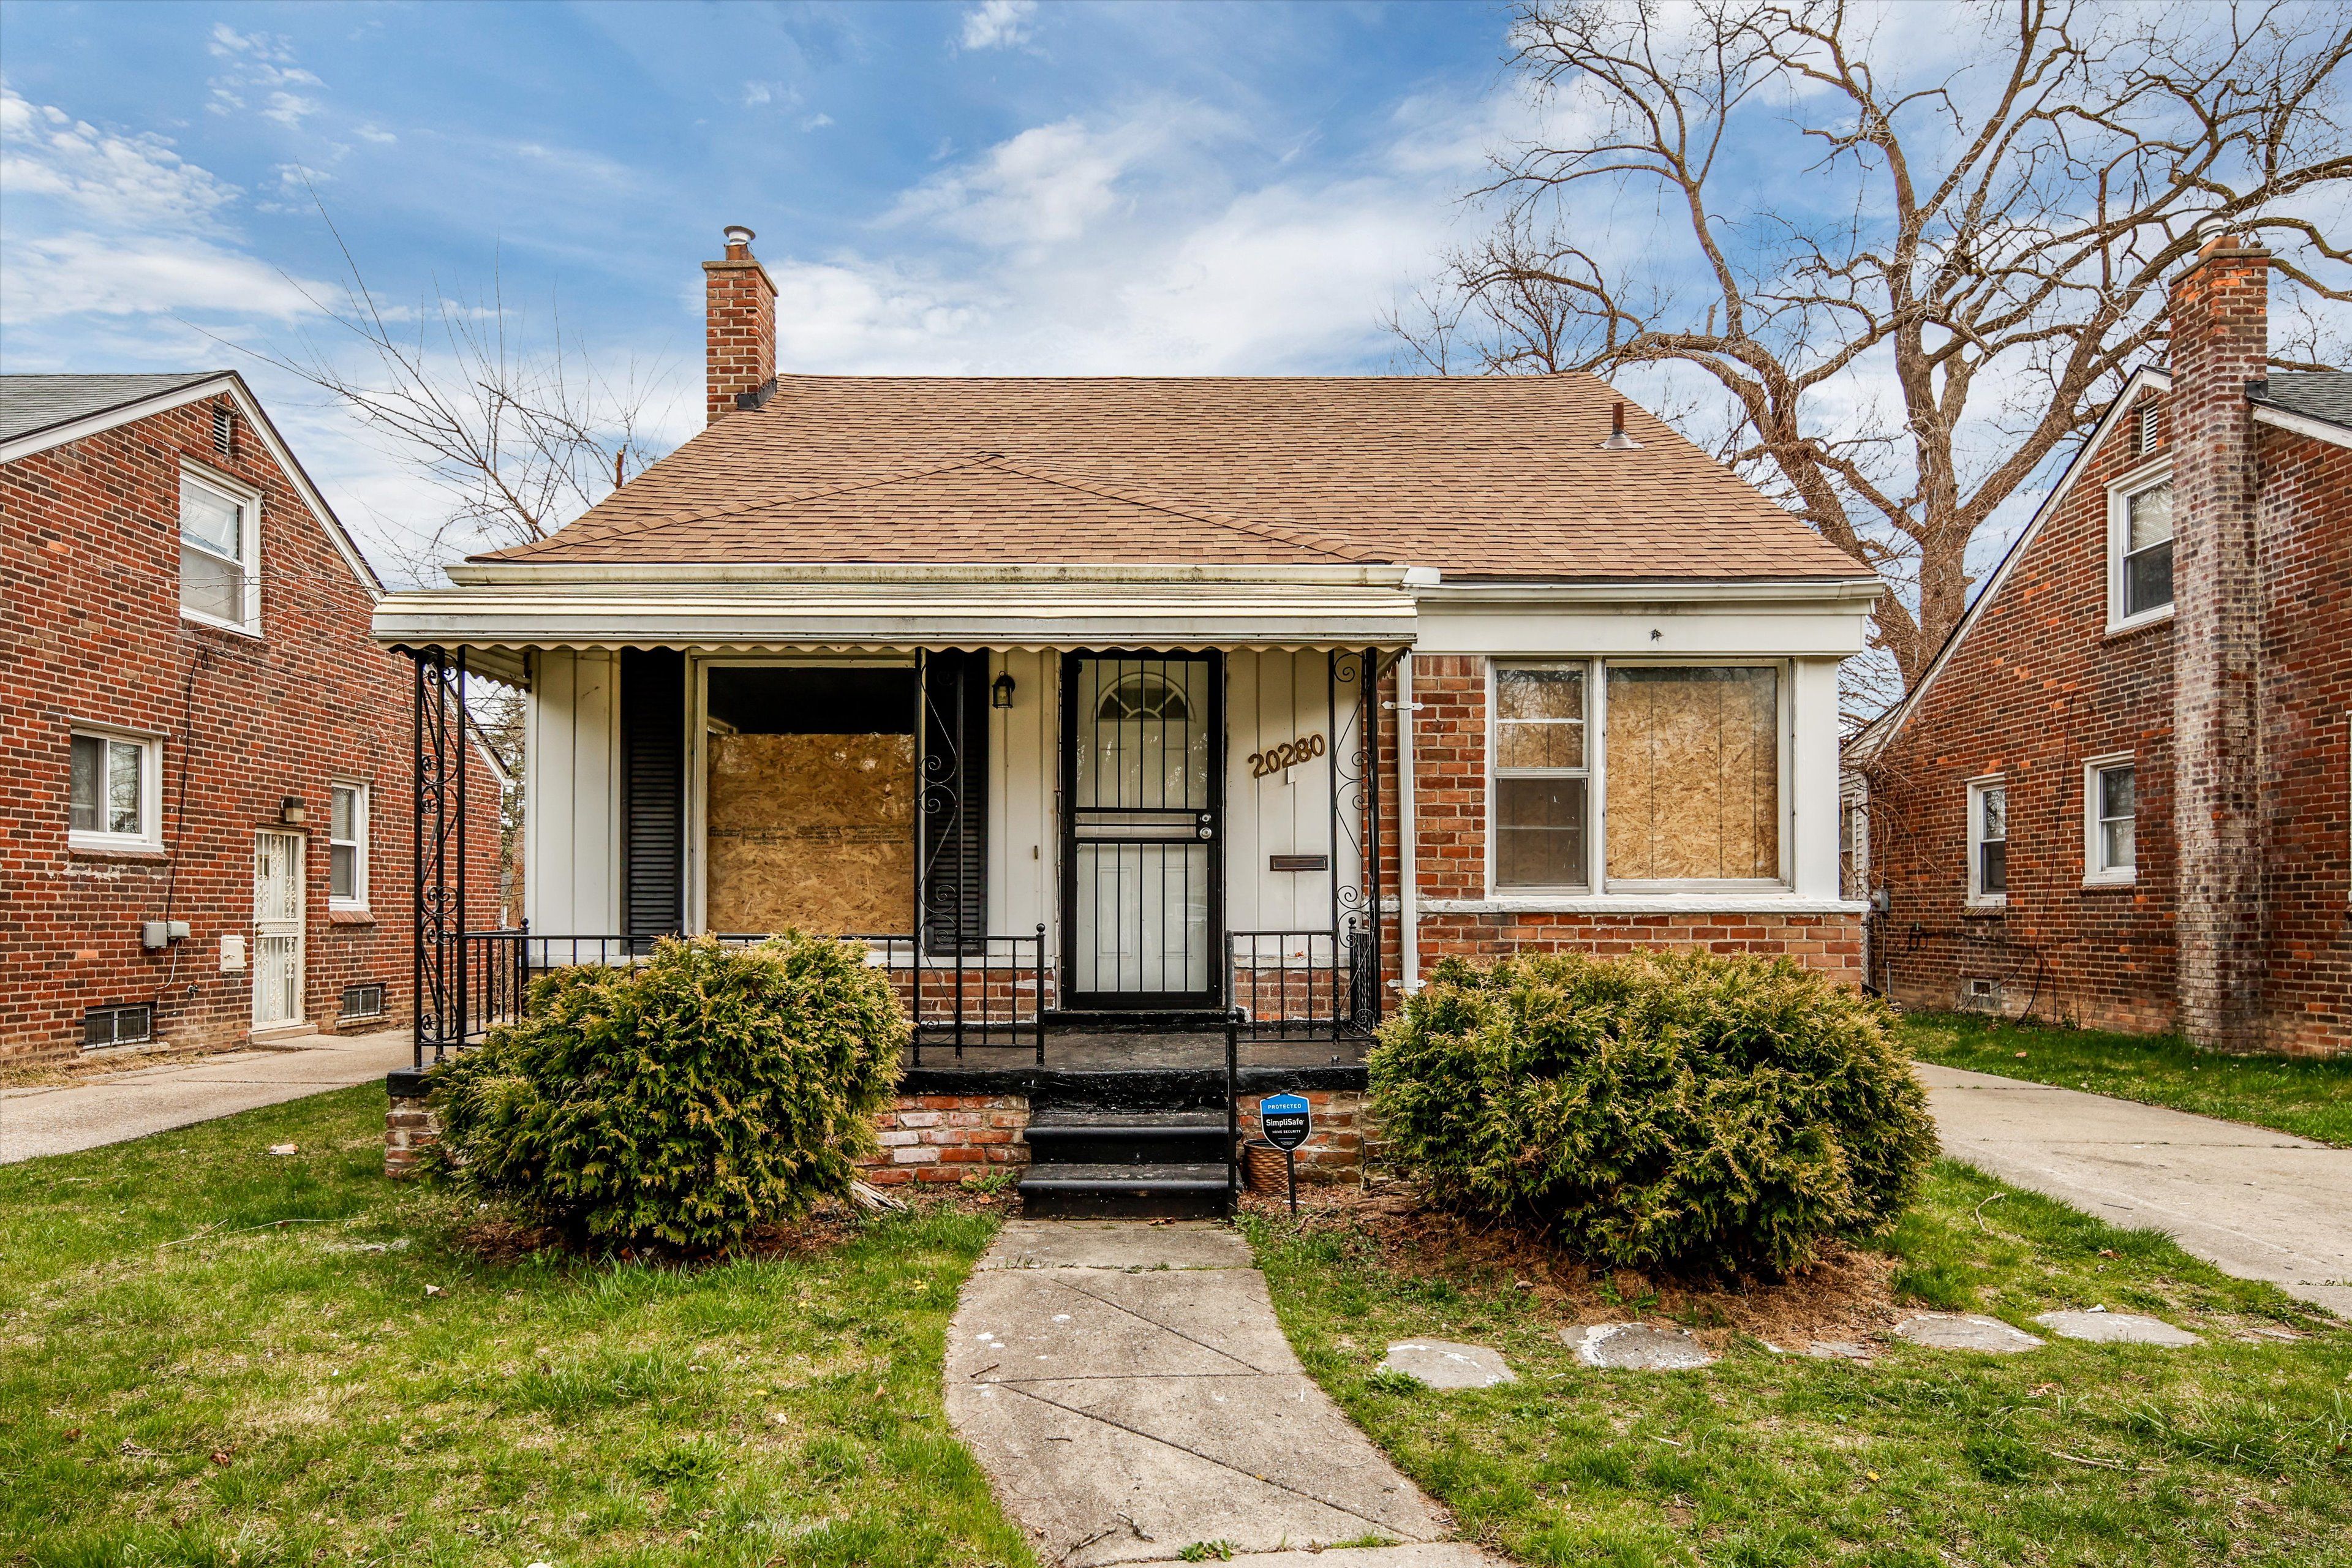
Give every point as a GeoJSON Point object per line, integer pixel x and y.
{"type": "Point", "coordinates": [1846, 1296]}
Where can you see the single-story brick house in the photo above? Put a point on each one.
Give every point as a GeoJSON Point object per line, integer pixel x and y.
{"type": "Point", "coordinates": [1080, 699]}
{"type": "Point", "coordinates": [205, 836]}
{"type": "Point", "coordinates": [2122, 793]}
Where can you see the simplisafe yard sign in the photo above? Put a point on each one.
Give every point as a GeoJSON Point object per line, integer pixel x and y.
{"type": "Point", "coordinates": [1286, 1119]}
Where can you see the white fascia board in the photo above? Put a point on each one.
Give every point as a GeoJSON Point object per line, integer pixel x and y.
{"type": "Point", "coordinates": [231, 383]}
{"type": "Point", "coordinates": [720, 575]}
{"type": "Point", "coordinates": [1877, 736]}
{"type": "Point", "coordinates": [2303, 425]}
{"type": "Point", "coordinates": [1778, 619]}
{"type": "Point", "coordinates": [1665, 595]}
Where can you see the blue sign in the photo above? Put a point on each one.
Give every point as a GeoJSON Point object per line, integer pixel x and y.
{"type": "Point", "coordinates": [1286, 1119]}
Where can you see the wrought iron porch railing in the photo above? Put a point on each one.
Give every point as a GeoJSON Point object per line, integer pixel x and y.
{"type": "Point", "coordinates": [988, 993]}
{"type": "Point", "coordinates": [1303, 985]}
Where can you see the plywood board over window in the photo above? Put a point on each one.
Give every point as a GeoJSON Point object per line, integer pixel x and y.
{"type": "Point", "coordinates": [814, 831]}
{"type": "Point", "coordinates": [1694, 764]}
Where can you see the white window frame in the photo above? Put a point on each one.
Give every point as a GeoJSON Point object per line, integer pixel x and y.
{"type": "Point", "coordinates": [248, 503]}
{"type": "Point", "coordinates": [2095, 872]}
{"type": "Point", "coordinates": [151, 790]}
{"type": "Point", "coordinates": [1590, 773]}
{"type": "Point", "coordinates": [359, 894]}
{"type": "Point", "coordinates": [2119, 497]}
{"type": "Point", "coordinates": [1977, 899]}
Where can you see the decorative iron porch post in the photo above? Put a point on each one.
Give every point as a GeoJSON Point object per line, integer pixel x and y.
{"type": "Point", "coordinates": [438, 964]}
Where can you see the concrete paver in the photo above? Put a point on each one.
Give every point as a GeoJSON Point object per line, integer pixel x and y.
{"type": "Point", "coordinates": [60, 1119]}
{"type": "Point", "coordinates": [1446, 1364]}
{"type": "Point", "coordinates": [2116, 1329]}
{"type": "Point", "coordinates": [1637, 1347]}
{"type": "Point", "coordinates": [1965, 1331]}
{"type": "Point", "coordinates": [2256, 1204]}
{"type": "Point", "coordinates": [1129, 1393]}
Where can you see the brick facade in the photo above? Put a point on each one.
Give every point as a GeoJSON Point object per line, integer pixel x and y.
{"type": "Point", "coordinates": [93, 633]}
{"type": "Point", "coordinates": [2236, 926]}
{"type": "Point", "coordinates": [1450, 813]}
{"type": "Point", "coordinates": [942, 1138]}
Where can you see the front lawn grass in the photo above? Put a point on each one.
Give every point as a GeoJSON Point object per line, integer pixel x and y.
{"type": "Point", "coordinates": [183, 1379]}
{"type": "Point", "coordinates": [2238, 1450]}
{"type": "Point", "coordinates": [2310, 1096]}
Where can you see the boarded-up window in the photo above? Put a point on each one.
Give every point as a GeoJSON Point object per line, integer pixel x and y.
{"type": "Point", "coordinates": [811, 800]}
{"type": "Point", "coordinates": [1693, 765]}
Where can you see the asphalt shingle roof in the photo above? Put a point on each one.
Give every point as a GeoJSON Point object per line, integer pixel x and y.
{"type": "Point", "coordinates": [2316, 394]}
{"type": "Point", "coordinates": [1480, 477]}
{"type": "Point", "coordinates": [34, 403]}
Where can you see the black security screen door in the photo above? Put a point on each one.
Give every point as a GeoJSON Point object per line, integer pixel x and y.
{"type": "Point", "coordinates": [1142, 868]}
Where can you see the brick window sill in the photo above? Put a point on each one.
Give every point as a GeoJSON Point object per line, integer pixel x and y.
{"type": "Point", "coordinates": [123, 853]}
{"type": "Point", "coordinates": [2137, 628]}
{"type": "Point", "coordinates": [2111, 886]}
{"type": "Point", "coordinates": [350, 917]}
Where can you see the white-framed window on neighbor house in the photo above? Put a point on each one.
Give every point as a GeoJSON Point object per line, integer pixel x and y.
{"type": "Point", "coordinates": [1988, 843]}
{"type": "Point", "coordinates": [220, 552]}
{"type": "Point", "coordinates": [2110, 820]}
{"type": "Point", "coordinates": [347, 847]}
{"type": "Point", "coordinates": [2139, 551]}
{"type": "Point", "coordinates": [1542, 786]}
{"type": "Point", "coordinates": [1693, 785]}
{"type": "Point", "coordinates": [115, 791]}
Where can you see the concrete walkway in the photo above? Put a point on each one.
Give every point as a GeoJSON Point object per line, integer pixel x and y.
{"type": "Point", "coordinates": [111, 1108]}
{"type": "Point", "coordinates": [1129, 1393]}
{"type": "Point", "coordinates": [2257, 1204]}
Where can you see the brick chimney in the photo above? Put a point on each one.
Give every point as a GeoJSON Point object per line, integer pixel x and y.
{"type": "Point", "coordinates": [739, 336]}
{"type": "Point", "coordinates": [2220, 335]}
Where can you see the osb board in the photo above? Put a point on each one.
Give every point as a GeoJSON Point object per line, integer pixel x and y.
{"type": "Point", "coordinates": [1694, 776]}
{"type": "Point", "coordinates": [814, 831]}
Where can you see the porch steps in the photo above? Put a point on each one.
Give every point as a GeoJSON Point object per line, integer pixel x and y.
{"type": "Point", "coordinates": [1088, 1164]}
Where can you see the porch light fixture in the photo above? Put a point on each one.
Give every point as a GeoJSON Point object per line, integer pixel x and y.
{"type": "Point", "coordinates": [292, 811]}
{"type": "Point", "coordinates": [999, 690]}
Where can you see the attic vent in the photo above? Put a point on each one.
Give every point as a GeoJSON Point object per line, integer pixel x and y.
{"type": "Point", "coordinates": [2144, 437]}
{"type": "Point", "coordinates": [225, 429]}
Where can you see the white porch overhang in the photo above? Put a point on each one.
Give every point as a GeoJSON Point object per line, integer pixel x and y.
{"type": "Point", "coordinates": [499, 612]}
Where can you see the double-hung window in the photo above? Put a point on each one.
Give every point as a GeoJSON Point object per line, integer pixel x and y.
{"type": "Point", "coordinates": [1988, 843]}
{"type": "Point", "coordinates": [1543, 780]}
{"type": "Point", "coordinates": [2110, 818]}
{"type": "Point", "coordinates": [347, 828]}
{"type": "Point", "coordinates": [2140, 577]}
{"type": "Point", "coordinates": [219, 552]}
{"type": "Point", "coordinates": [114, 793]}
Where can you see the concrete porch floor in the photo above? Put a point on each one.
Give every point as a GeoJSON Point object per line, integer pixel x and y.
{"type": "Point", "coordinates": [1090, 1050]}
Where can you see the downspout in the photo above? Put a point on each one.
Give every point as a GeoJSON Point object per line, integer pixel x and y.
{"type": "Point", "coordinates": [1408, 841]}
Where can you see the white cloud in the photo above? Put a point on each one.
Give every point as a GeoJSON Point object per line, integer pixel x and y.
{"type": "Point", "coordinates": [376, 133]}
{"type": "Point", "coordinates": [817, 121]}
{"type": "Point", "coordinates": [755, 93]}
{"type": "Point", "coordinates": [111, 225]}
{"type": "Point", "coordinates": [1045, 186]}
{"type": "Point", "coordinates": [261, 65]}
{"type": "Point", "coordinates": [998, 24]}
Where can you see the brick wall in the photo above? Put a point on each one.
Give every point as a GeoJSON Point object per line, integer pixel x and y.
{"type": "Point", "coordinates": [2307, 743]}
{"type": "Point", "coordinates": [943, 1138]}
{"type": "Point", "coordinates": [1337, 1138]}
{"type": "Point", "coordinates": [738, 327]}
{"type": "Point", "coordinates": [93, 632]}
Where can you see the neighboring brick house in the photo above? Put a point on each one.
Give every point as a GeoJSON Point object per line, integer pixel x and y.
{"type": "Point", "coordinates": [2122, 793]}
{"type": "Point", "coordinates": [194, 726]}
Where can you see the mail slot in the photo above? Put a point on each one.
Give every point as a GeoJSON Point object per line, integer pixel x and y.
{"type": "Point", "coordinates": [1299, 862]}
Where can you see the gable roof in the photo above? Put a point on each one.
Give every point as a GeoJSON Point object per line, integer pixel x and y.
{"type": "Point", "coordinates": [1872, 737]}
{"type": "Point", "coordinates": [2310, 402]}
{"type": "Point", "coordinates": [39, 412]}
{"type": "Point", "coordinates": [1499, 477]}
{"type": "Point", "coordinates": [32, 404]}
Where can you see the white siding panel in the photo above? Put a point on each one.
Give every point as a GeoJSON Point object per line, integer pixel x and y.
{"type": "Point", "coordinates": [572, 835]}
{"type": "Point", "coordinates": [1273, 698]}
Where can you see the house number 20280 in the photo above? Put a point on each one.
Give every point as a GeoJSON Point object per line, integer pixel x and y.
{"type": "Point", "coordinates": [1289, 754]}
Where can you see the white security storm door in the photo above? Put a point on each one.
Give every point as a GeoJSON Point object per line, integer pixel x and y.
{"type": "Point", "coordinates": [1142, 745]}
{"type": "Point", "coordinates": [277, 930]}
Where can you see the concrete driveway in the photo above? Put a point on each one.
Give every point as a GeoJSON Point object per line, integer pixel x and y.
{"type": "Point", "coordinates": [58, 1119]}
{"type": "Point", "coordinates": [2256, 1204]}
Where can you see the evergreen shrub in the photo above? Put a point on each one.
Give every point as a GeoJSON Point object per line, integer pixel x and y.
{"type": "Point", "coordinates": [1672, 1110]}
{"type": "Point", "coordinates": [678, 1101]}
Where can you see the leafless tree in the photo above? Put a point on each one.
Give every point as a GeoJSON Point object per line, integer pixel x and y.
{"type": "Point", "coordinates": [517, 427]}
{"type": "Point", "coordinates": [1909, 294]}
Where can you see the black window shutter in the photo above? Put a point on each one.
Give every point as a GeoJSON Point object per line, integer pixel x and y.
{"type": "Point", "coordinates": [653, 791]}
{"type": "Point", "coordinates": [955, 802]}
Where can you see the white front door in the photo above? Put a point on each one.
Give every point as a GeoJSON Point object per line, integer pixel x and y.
{"type": "Point", "coordinates": [278, 905]}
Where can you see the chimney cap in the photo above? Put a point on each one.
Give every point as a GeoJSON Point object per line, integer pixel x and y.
{"type": "Point", "coordinates": [739, 234]}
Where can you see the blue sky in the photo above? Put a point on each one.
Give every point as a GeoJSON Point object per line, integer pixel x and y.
{"type": "Point", "coordinates": [979, 187]}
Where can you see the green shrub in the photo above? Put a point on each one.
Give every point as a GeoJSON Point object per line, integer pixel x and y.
{"type": "Point", "coordinates": [681, 1100]}
{"type": "Point", "coordinates": [1665, 1109]}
